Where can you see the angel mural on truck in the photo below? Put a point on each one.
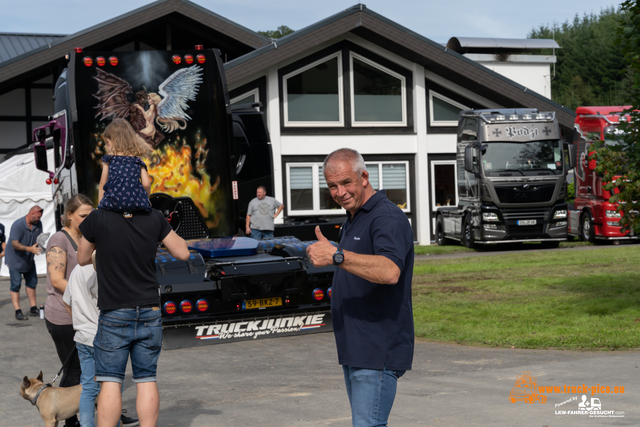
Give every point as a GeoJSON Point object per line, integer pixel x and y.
{"type": "Point", "coordinates": [174, 124]}
{"type": "Point", "coordinates": [166, 109]}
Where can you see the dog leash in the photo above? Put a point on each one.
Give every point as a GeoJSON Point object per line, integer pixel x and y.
{"type": "Point", "coordinates": [63, 365]}
{"type": "Point", "coordinates": [34, 401]}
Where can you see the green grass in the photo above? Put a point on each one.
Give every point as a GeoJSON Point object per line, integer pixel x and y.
{"type": "Point", "coordinates": [449, 249]}
{"type": "Point", "coordinates": [545, 299]}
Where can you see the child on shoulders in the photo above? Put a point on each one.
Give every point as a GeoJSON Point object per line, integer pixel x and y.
{"type": "Point", "coordinates": [124, 183]}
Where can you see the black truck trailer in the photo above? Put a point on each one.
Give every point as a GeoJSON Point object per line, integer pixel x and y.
{"type": "Point", "coordinates": [204, 161]}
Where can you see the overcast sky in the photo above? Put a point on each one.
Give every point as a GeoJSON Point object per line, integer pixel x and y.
{"type": "Point", "coordinates": [437, 20]}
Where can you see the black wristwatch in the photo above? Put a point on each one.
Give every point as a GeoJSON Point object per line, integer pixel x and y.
{"type": "Point", "coordinates": [338, 257]}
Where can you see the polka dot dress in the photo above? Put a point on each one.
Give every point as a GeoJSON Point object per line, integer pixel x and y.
{"type": "Point", "coordinates": [123, 191]}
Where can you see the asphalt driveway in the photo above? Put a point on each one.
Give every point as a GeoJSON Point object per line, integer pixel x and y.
{"type": "Point", "coordinates": [296, 381]}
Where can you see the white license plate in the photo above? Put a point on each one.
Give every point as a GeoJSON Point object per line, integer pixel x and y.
{"type": "Point", "coordinates": [527, 222]}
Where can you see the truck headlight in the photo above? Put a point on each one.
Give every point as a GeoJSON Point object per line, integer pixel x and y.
{"type": "Point", "coordinates": [490, 217]}
{"type": "Point", "coordinates": [560, 214]}
{"type": "Point", "coordinates": [612, 224]}
{"type": "Point", "coordinates": [612, 214]}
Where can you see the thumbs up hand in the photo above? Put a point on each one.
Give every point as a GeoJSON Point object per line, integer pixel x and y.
{"type": "Point", "coordinates": [319, 234]}
{"type": "Point", "coordinates": [321, 252]}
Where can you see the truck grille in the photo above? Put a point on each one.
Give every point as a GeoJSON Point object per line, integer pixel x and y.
{"type": "Point", "coordinates": [525, 193]}
{"type": "Point", "coordinates": [515, 231]}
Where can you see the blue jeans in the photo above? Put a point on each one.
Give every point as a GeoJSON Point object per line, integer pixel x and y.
{"type": "Point", "coordinates": [123, 332]}
{"type": "Point", "coordinates": [371, 393]}
{"type": "Point", "coordinates": [261, 234]}
{"type": "Point", "coordinates": [90, 388]}
{"type": "Point", "coordinates": [30, 279]}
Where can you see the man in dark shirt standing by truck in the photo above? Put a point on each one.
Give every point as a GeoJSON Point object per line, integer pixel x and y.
{"type": "Point", "coordinates": [371, 301]}
{"type": "Point", "coordinates": [129, 322]}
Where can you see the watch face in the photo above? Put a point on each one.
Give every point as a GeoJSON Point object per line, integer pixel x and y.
{"type": "Point", "coordinates": [338, 257]}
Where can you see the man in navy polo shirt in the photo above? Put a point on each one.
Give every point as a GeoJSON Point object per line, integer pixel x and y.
{"type": "Point", "coordinates": [371, 290]}
{"type": "Point", "coordinates": [23, 246]}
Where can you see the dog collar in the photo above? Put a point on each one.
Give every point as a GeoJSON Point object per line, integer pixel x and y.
{"type": "Point", "coordinates": [35, 399]}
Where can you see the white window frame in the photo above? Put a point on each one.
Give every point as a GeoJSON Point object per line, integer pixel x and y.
{"type": "Point", "coordinates": [442, 123]}
{"type": "Point", "coordinates": [316, 187]}
{"type": "Point", "coordinates": [407, 181]}
{"type": "Point", "coordinates": [435, 163]}
{"type": "Point", "coordinates": [255, 92]}
{"type": "Point", "coordinates": [315, 170]}
{"type": "Point", "coordinates": [403, 85]}
{"type": "Point", "coordinates": [285, 101]}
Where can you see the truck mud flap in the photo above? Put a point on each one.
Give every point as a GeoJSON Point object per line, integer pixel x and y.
{"type": "Point", "coordinates": [247, 328]}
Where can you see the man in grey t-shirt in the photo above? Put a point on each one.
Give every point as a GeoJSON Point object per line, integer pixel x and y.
{"type": "Point", "coordinates": [260, 215]}
{"type": "Point", "coordinates": [22, 247]}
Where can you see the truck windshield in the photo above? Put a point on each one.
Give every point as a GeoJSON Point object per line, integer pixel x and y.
{"type": "Point", "coordinates": [522, 158]}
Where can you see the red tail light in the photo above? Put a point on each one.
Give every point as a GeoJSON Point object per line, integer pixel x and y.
{"type": "Point", "coordinates": [201, 59]}
{"type": "Point", "coordinates": [48, 181]}
{"type": "Point", "coordinates": [169, 307]}
{"type": "Point", "coordinates": [188, 59]}
{"type": "Point", "coordinates": [238, 307]}
{"type": "Point", "coordinates": [329, 292]}
{"type": "Point", "coordinates": [199, 47]}
{"type": "Point", "coordinates": [101, 61]}
{"type": "Point", "coordinates": [176, 59]}
{"type": "Point", "coordinates": [186, 306]}
{"type": "Point", "coordinates": [113, 60]}
{"type": "Point", "coordinates": [77, 49]}
{"type": "Point", "coordinates": [318, 294]}
{"type": "Point", "coordinates": [88, 61]}
{"type": "Point", "coordinates": [202, 305]}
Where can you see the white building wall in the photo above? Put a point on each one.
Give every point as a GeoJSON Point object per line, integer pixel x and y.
{"type": "Point", "coordinates": [532, 71]}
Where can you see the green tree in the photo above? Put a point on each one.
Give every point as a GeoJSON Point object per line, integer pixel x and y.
{"type": "Point", "coordinates": [282, 31]}
{"type": "Point", "coordinates": [589, 62]}
{"type": "Point", "coordinates": [622, 159]}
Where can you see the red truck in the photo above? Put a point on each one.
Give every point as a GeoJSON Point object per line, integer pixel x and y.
{"type": "Point", "coordinates": [593, 218]}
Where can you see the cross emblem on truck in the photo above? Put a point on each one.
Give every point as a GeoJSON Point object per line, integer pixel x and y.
{"type": "Point", "coordinates": [497, 132]}
{"type": "Point", "coordinates": [546, 131]}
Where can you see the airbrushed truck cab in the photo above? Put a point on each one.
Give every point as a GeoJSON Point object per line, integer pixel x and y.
{"type": "Point", "coordinates": [233, 288]}
{"type": "Point", "coordinates": [593, 218]}
{"type": "Point", "coordinates": [511, 180]}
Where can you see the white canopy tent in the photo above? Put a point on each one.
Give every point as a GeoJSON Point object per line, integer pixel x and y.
{"type": "Point", "coordinates": [21, 187]}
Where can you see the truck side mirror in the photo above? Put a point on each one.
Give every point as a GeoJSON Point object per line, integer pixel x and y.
{"type": "Point", "coordinates": [572, 156]}
{"type": "Point", "coordinates": [469, 159]}
{"type": "Point", "coordinates": [40, 152]}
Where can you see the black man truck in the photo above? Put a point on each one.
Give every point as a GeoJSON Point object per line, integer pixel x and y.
{"type": "Point", "coordinates": [511, 173]}
{"type": "Point", "coordinates": [233, 288]}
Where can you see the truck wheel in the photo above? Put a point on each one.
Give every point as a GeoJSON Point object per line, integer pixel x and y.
{"type": "Point", "coordinates": [586, 228]}
{"type": "Point", "coordinates": [440, 239]}
{"type": "Point", "coordinates": [467, 233]}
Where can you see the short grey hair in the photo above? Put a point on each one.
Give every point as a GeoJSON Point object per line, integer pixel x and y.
{"type": "Point", "coordinates": [346, 155]}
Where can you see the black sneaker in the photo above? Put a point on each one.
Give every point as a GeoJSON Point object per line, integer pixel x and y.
{"type": "Point", "coordinates": [126, 421]}
{"type": "Point", "coordinates": [21, 316]}
{"type": "Point", "coordinates": [34, 312]}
